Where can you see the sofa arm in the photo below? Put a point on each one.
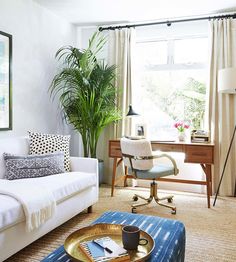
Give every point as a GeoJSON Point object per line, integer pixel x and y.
{"type": "Point", "coordinates": [84, 164]}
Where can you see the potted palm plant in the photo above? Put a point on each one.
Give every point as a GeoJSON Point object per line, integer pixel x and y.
{"type": "Point", "coordinates": [85, 86]}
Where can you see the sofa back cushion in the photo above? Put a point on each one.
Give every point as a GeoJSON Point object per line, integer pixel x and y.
{"type": "Point", "coordinates": [50, 143]}
{"type": "Point", "coordinates": [18, 166]}
{"type": "Point", "coordinates": [12, 145]}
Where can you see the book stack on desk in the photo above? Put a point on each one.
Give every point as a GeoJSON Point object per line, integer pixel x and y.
{"type": "Point", "coordinates": [200, 136]}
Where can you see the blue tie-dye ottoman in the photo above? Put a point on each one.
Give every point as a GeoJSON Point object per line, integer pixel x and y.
{"type": "Point", "coordinates": [169, 236]}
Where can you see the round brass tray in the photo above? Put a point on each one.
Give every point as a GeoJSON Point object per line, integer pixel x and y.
{"type": "Point", "coordinates": [102, 230]}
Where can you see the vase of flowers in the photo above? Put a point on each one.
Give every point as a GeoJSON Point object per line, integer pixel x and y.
{"type": "Point", "coordinates": [181, 128]}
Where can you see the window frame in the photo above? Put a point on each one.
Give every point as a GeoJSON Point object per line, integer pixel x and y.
{"type": "Point", "coordinates": [171, 65]}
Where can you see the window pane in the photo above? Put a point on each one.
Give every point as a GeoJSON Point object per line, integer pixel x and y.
{"type": "Point", "coordinates": [189, 51]}
{"type": "Point", "coordinates": [164, 97]}
{"type": "Point", "coordinates": [152, 53]}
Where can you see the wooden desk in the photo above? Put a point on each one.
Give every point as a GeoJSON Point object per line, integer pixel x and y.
{"type": "Point", "coordinates": [199, 153]}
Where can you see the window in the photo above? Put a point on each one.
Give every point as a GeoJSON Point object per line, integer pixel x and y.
{"type": "Point", "coordinates": [156, 54]}
{"type": "Point", "coordinates": [170, 84]}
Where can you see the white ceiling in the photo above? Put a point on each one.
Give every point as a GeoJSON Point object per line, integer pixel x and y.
{"type": "Point", "coordinates": [101, 12]}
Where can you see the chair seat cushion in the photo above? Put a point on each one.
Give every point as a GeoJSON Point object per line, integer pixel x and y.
{"type": "Point", "coordinates": [155, 172]}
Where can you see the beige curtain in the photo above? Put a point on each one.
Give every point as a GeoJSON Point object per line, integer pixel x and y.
{"type": "Point", "coordinates": [121, 54]}
{"type": "Point", "coordinates": [222, 106]}
{"type": "Point", "coordinates": [121, 48]}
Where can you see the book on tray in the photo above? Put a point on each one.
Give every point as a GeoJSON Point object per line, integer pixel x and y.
{"type": "Point", "coordinates": [104, 249]}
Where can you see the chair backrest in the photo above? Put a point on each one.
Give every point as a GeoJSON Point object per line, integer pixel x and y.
{"type": "Point", "coordinates": [137, 148]}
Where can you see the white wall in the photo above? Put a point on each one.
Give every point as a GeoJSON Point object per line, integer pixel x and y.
{"type": "Point", "coordinates": [37, 35]}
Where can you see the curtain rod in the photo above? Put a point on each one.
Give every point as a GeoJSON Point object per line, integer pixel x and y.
{"type": "Point", "coordinates": [168, 22]}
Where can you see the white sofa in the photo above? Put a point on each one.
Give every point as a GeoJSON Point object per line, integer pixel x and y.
{"type": "Point", "coordinates": [73, 191]}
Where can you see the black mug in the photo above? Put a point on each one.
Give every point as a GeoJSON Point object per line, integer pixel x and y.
{"type": "Point", "coordinates": [131, 238]}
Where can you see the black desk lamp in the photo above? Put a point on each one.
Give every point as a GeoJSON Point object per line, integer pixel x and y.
{"type": "Point", "coordinates": [131, 112]}
{"type": "Point", "coordinates": [226, 84]}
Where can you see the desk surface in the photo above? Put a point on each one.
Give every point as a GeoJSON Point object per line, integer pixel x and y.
{"type": "Point", "coordinates": [183, 142]}
{"type": "Point", "coordinates": [188, 142]}
{"type": "Point", "coordinates": [201, 153]}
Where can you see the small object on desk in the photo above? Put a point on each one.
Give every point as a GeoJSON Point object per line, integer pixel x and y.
{"type": "Point", "coordinates": [164, 140]}
{"type": "Point", "coordinates": [135, 137]}
{"type": "Point", "coordinates": [200, 136]}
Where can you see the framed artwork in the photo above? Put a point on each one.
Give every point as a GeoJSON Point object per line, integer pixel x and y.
{"type": "Point", "coordinates": [5, 81]}
{"type": "Point", "coordinates": [141, 130]}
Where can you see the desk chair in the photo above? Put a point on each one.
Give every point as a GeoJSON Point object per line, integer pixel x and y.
{"type": "Point", "coordinates": [139, 158]}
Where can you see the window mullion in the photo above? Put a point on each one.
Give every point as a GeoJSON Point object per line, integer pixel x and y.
{"type": "Point", "coordinates": [171, 51]}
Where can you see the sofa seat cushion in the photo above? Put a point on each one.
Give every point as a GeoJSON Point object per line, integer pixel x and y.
{"type": "Point", "coordinates": [11, 212]}
{"type": "Point", "coordinates": [63, 187]}
{"type": "Point", "coordinates": [67, 184]}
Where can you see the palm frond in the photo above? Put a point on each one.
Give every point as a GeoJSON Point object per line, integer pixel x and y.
{"type": "Point", "coordinates": [86, 91]}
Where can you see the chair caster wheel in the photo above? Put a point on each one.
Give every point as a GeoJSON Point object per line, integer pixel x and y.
{"type": "Point", "coordinates": [134, 210]}
{"type": "Point", "coordinates": [173, 211]}
{"type": "Point", "coordinates": [135, 198]}
{"type": "Point", "coordinates": [170, 200]}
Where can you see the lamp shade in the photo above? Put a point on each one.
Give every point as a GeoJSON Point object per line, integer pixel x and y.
{"type": "Point", "coordinates": [131, 112]}
{"type": "Point", "coordinates": [227, 80]}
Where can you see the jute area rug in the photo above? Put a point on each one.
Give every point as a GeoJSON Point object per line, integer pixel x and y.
{"type": "Point", "coordinates": [210, 233]}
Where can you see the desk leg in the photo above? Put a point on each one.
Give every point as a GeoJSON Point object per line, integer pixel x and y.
{"type": "Point", "coordinates": [126, 176]}
{"type": "Point", "coordinates": [116, 163]}
{"type": "Point", "coordinates": [210, 177]}
{"type": "Point", "coordinates": [114, 175]}
{"type": "Point", "coordinates": [207, 170]}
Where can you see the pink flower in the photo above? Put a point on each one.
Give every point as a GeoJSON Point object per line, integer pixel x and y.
{"type": "Point", "coordinates": [181, 126]}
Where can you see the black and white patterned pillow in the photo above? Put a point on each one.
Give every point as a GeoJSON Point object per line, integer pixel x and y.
{"type": "Point", "coordinates": [30, 166]}
{"type": "Point", "coordinates": [49, 143]}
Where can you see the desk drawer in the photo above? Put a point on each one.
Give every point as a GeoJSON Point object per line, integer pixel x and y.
{"type": "Point", "coordinates": [114, 149]}
{"type": "Point", "coordinates": [199, 154]}
{"type": "Point", "coordinates": [167, 147]}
